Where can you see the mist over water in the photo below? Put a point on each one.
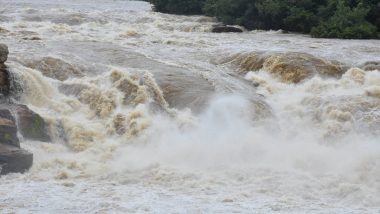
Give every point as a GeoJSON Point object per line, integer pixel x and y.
{"type": "Point", "coordinates": [146, 117]}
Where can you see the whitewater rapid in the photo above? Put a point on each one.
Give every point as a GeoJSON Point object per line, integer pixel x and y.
{"type": "Point", "coordinates": [146, 118]}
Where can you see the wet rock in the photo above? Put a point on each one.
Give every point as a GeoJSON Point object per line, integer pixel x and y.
{"type": "Point", "coordinates": [290, 67]}
{"type": "Point", "coordinates": [34, 38]}
{"type": "Point", "coordinates": [8, 129]}
{"type": "Point", "coordinates": [4, 81]}
{"type": "Point", "coordinates": [3, 53]}
{"type": "Point", "coordinates": [247, 61]}
{"type": "Point", "coordinates": [226, 29]}
{"type": "Point", "coordinates": [31, 125]}
{"type": "Point", "coordinates": [371, 66]}
{"type": "Point", "coordinates": [4, 75]}
{"type": "Point", "coordinates": [14, 159]}
{"type": "Point", "coordinates": [295, 67]}
{"type": "Point", "coordinates": [55, 68]}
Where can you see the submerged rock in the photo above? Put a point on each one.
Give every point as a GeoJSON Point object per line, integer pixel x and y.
{"type": "Point", "coordinates": [55, 68]}
{"type": "Point", "coordinates": [295, 67]}
{"type": "Point", "coordinates": [14, 159]}
{"type": "Point", "coordinates": [290, 67]}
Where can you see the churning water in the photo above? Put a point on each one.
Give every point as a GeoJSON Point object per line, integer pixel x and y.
{"type": "Point", "coordinates": [146, 116]}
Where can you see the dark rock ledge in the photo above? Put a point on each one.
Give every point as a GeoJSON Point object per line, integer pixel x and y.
{"type": "Point", "coordinates": [16, 120]}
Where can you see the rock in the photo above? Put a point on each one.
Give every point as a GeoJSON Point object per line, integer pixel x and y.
{"type": "Point", "coordinates": [14, 159]}
{"type": "Point", "coordinates": [247, 61]}
{"type": "Point", "coordinates": [31, 125]}
{"type": "Point", "coordinates": [4, 81]}
{"type": "Point", "coordinates": [295, 67]}
{"type": "Point", "coordinates": [3, 53]}
{"type": "Point", "coordinates": [290, 67]}
{"type": "Point", "coordinates": [8, 129]}
{"type": "Point", "coordinates": [371, 66]}
{"type": "Point", "coordinates": [226, 29]}
{"type": "Point", "coordinates": [55, 68]}
{"type": "Point", "coordinates": [34, 38]}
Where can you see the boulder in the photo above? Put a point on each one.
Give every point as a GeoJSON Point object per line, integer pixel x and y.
{"type": "Point", "coordinates": [31, 125]}
{"type": "Point", "coordinates": [14, 159]}
{"type": "Point", "coordinates": [226, 29]}
{"type": "Point", "coordinates": [3, 53]}
{"type": "Point", "coordinates": [8, 129]}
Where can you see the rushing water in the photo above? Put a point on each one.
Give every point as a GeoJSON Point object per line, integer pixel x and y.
{"type": "Point", "coordinates": [144, 121]}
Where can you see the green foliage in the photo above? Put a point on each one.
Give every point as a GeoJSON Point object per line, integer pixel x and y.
{"type": "Point", "coordinates": [228, 11]}
{"type": "Point", "coordinates": [321, 18]}
{"type": "Point", "coordinates": [300, 20]}
{"type": "Point", "coordinates": [347, 23]}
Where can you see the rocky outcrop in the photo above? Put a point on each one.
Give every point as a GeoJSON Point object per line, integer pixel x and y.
{"type": "Point", "coordinates": [290, 67]}
{"type": "Point", "coordinates": [226, 29]}
{"type": "Point", "coordinates": [12, 157]}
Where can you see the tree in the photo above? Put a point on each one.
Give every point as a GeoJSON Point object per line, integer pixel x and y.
{"type": "Point", "coordinates": [347, 23]}
{"type": "Point", "coordinates": [185, 7]}
{"type": "Point", "coordinates": [322, 18]}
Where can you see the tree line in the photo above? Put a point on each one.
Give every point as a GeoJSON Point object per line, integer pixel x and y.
{"type": "Point", "coordinates": [347, 19]}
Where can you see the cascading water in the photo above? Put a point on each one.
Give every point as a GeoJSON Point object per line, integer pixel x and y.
{"type": "Point", "coordinates": [151, 113]}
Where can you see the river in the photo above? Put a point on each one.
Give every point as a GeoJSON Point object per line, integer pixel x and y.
{"type": "Point", "coordinates": [148, 115]}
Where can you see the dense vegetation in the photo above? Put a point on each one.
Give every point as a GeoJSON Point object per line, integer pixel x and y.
{"type": "Point", "coordinates": [321, 18]}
